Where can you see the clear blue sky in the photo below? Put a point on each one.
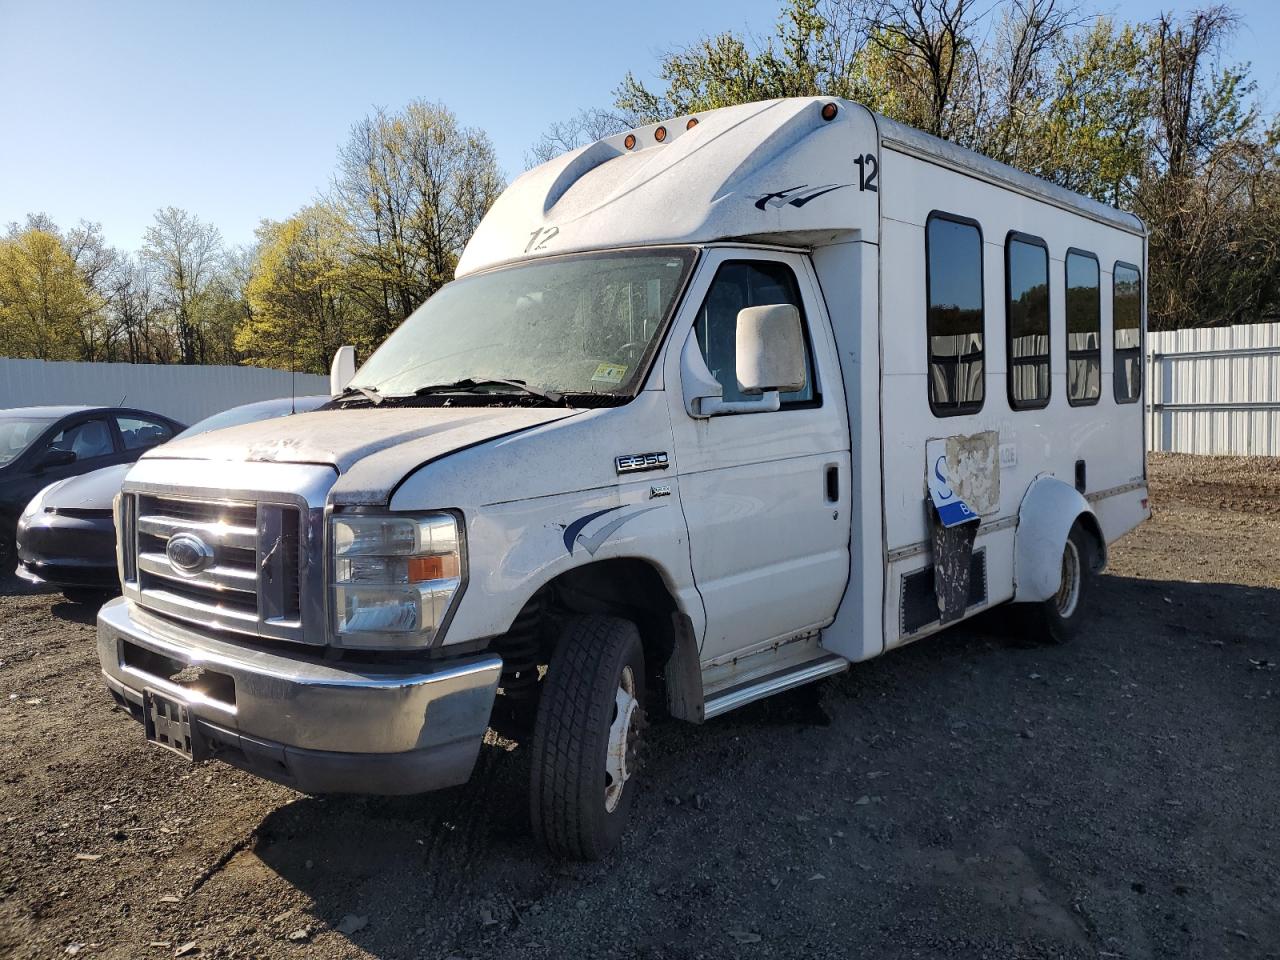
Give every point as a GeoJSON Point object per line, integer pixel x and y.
{"type": "Point", "coordinates": [235, 110]}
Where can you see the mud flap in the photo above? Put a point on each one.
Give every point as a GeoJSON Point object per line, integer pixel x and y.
{"type": "Point", "coordinates": [952, 560]}
{"type": "Point", "coordinates": [954, 511]}
{"type": "Point", "coordinates": [683, 673]}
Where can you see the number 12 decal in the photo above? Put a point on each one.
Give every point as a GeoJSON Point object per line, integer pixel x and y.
{"type": "Point", "coordinates": [540, 238]}
{"type": "Point", "coordinates": [868, 167]}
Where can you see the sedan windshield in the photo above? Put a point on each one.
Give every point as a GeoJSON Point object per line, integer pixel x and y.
{"type": "Point", "coordinates": [568, 325]}
{"type": "Point", "coordinates": [18, 433]}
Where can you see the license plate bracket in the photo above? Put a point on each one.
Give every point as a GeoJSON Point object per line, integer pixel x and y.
{"type": "Point", "coordinates": [168, 724]}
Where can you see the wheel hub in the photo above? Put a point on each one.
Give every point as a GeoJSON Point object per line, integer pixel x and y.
{"type": "Point", "coordinates": [1069, 589]}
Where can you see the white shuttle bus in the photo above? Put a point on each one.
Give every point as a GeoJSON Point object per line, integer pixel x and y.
{"type": "Point", "coordinates": [713, 409]}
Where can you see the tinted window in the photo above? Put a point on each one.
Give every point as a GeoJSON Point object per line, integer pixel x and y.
{"type": "Point", "coordinates": [739, 284]}
{"type": "Point", "coordinates": [1126, 315]}
{"type": "Point", "coordinates": [1084, 329]}
{"type": "Point", "coordinates": [86, 440]}
{"type": "Point", "coordinates": [953, 254]}
{"type": "Point", "coordinates": [138, 434]}
{"type": "Point", "coordinates": [1027, 314]}
{"type": "Point", "coordinates": [18, 433]}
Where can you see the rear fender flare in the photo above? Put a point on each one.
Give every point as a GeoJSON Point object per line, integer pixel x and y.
{"type": "Point", "coordinates": [1049, 509]}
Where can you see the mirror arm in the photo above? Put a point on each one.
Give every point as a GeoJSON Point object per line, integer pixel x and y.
{"type": "Point", "coordinates": [770, 402]}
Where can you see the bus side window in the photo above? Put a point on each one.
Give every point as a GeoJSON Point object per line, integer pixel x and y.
{"type": "Point", "coordinates": [1084, 329]}
{"type": "Point", "coordinates": [1126, 318]}
{"type": "Point", "coordinates": [953, 281]}
{"type": "Point", "coordinates": [1026, 261]}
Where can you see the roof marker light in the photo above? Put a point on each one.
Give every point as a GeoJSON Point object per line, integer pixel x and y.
{"type": "Point", "coordinates": [693, 122]}
{"type": "Point", "coordinates": [829, 111]}
{"type": "Point", "coordinates": [630, 141]}
{"type": "Point", "coordinates": [660, 134]}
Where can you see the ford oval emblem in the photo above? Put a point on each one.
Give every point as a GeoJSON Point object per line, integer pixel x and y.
{"type": "Point", "coordinates": [188, 554]}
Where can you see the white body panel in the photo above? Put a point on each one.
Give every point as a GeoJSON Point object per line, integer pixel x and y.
{"type": "Point", "coordinates": [772, 562]}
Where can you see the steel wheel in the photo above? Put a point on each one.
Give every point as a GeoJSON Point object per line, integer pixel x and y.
{"type": "Point", "coordinates": [1068, 595]}
{"type": "Point", "coordinates": [619, 759]}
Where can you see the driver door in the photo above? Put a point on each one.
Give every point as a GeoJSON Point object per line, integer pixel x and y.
{"type": "Point", "coordinates": [765, 494]}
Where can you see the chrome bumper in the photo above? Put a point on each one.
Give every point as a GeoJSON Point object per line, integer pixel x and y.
{"type": "Point", "coordinates": [319, 726]}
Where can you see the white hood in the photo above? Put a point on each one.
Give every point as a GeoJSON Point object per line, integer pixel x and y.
{"type": "Point", "coordinates": [372, 450]}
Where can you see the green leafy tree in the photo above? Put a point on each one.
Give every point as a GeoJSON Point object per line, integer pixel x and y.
{"type": "Point", "coordinates": [44, 298]}
{"type": "Point", "coordinates": [301, 308]}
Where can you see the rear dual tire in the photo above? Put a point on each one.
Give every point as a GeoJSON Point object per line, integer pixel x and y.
{"type": "Point", "coordinates": [1058, 619]}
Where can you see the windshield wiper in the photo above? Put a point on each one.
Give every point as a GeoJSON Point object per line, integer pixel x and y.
{"type": "Point", "coordinates": [472, 384]}
{"type": "Point", "coordinates": [369, 393]}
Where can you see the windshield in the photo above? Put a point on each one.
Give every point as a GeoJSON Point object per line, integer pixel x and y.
{"type": "Point", "coordinates": [569, 325]}
{"type": "Point", "coordinates": [18, 433]}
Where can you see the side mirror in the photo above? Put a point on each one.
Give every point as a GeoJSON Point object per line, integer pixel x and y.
{"type": "Point", "coordinates": [770, 349]}
{"type": "Point", "coordinates": [56, 458]}
{"type": "Point", "coordinates": [342, 369]}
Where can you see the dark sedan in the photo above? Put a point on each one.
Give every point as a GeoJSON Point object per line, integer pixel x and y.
{"type": "Point", "coordinates": [66, 535]}
{"type": "Point", "coordinates": [41, 445]}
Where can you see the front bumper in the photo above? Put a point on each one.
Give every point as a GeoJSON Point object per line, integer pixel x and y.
{"type": "Point", "coordinates": [315, 725]}
{"type": "Point", "coordinates": [68, 551]}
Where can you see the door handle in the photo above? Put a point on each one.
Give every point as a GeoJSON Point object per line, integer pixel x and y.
{"type": "Point", "coordinates": [833, 483]}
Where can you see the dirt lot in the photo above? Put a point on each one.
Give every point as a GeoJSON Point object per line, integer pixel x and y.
{"type": "Point", "coordinates": [964, 797]}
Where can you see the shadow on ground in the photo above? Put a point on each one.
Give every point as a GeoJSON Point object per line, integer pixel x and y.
{"type": "Point", "coordinates": [964, 795]}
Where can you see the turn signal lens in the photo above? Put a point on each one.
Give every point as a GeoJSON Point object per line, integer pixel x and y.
{"type": "Point", "coordinates": [630, 141]}
{"type": "Point", "coordinates": [422, 569]}
{"type": "Point", "coordinates": [660, 134]}
{"type": "Point", "coordinates": [829, 111]}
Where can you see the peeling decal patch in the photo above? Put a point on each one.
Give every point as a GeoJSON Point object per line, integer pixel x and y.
{"type": "Point", "coordinates": [951, 507]}
{"type": "Point", "coordinates": [974, 465]}
{"type": "Point", "coordinates": [574, 535]}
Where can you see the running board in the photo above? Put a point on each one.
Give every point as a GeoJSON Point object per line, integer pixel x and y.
{"type": "Point", "coordinates": [766, 686]}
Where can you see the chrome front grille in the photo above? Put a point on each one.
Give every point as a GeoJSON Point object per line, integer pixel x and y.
{"type": "Point", "coordinates": [254, 581]}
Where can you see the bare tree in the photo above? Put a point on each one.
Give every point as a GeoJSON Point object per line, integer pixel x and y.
{"type": "Point", "coordinates": [183, 254]}
{"type": "Point", "coordinates": [586, 126]}
{"type": "Point", "coordinates": [932, 42]}
{"type": "Point", "coordinates": [412, 187]}
{"type": "Point", "coordinates": [1020, 76]}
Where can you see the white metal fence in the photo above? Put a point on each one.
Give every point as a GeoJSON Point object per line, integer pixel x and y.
{"type": "Point", "coordinates": [187, 394]}
{"type": "Point", "coordinates": [1215, 390]}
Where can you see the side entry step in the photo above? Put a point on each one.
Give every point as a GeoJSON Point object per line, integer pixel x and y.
{"type": "Point", "coordinates": [761, 687]}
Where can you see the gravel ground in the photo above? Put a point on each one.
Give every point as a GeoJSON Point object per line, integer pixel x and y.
{"type": "Point", "coordinates": [963, 797]}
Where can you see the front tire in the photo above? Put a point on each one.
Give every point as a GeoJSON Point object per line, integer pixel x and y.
{"type": "Point", "coordinates": [8, 546]}
{"type": "Point", "coordinates": [586, 738]}
{"type": "Point", "coordinates": [89, 596]}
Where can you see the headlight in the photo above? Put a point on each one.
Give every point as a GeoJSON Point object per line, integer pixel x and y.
{"type": "Point", "coordinates": [37, 502]}
{"type": "Point", "coordinates": [394, 578]}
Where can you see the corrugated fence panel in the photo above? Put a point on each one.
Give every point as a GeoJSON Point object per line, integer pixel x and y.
{"type": "Point", "coordinates": [1215, 390]}
{"type": "Point", "coordinates": [187, 394]}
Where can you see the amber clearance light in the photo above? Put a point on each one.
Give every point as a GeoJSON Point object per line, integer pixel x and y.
{"type": "Point", "coordinates": [660, 134]}
{"type": "Point", "coordinates": [693, 122]}
{"type": "Point", "coordinates": [829, 111]}
{"type": "Point", "coordinates": [630, 141]}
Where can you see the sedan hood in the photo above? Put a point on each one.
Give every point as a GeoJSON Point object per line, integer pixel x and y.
{"type": "Point", "coordinates": [371, 449]}
{"type": "Point", "coordinates": [89, 491]}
